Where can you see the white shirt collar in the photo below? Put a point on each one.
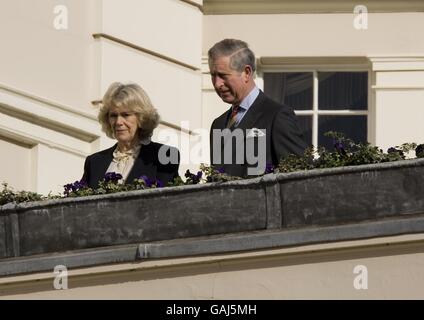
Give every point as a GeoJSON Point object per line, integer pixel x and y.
{"type": "Point", "coordinates": [247, 102]}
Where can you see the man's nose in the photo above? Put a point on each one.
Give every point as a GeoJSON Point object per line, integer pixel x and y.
{"type": "Point", "coordinates": [218, 82]}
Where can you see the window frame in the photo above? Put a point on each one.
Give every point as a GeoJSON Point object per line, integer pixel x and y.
{"type": "Point", "coordinates": [315, 112]}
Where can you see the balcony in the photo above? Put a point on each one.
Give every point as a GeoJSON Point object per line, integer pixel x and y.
{"type": "Point", "coordinates": [273, 212]}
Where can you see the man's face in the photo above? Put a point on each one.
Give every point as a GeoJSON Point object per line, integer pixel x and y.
{"type": "Point", "coordinates": [230, 85]}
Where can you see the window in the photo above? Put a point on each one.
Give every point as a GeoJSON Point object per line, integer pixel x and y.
{"type": "Point", "coordinates": [323, 101]}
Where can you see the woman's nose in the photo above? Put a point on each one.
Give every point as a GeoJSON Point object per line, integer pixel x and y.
{"type": "Point", "coordinates": [119, 120]}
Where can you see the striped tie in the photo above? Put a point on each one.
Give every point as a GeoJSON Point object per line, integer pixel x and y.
{"type": "Point", "coordinates": [233, 117]}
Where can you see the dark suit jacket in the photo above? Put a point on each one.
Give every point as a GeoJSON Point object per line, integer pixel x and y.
{"type": "Point", "coordinates": [147, 163]}
{"type": "Point", "coordinates": [283, 135]}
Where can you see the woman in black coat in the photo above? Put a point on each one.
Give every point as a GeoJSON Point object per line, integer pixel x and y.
{"type": "Point", "coordinates": [128, 116]}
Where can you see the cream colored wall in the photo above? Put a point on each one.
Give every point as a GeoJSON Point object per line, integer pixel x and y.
{"type": "Point", "coordinates": [319, 34]}
{"type": "Point", "coordinates": [174, 91]}
{"type": "Point", "coordinates": [398, 95]}
{"type": "Point", "coordinates": [36, 58]}
{"type": "Point", "coordinates": [170, 27]}
{"type": "Point", "coordinates": [199, 2]}
{"type": "Point", "coordinates": [52, 169]}
{"type": "Point", "coordinates": [394, 270]}
{"type": "Point", "coordinates": [12, 156]}
{"type": "Point", "coordinates": [167, 27]}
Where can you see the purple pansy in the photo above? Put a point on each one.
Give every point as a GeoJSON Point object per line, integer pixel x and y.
{"type": "Point", "coordinates": [112, 177]}
{"type": "Point", "coordinates": [73, 187]}
{"type": "Point", "coordinates": [269, 168]}
{"type": "Point", "coordinates": [339, 147]}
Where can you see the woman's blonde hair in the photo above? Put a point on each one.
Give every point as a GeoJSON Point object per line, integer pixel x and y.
{"type": "Point", "coordinates": [132, 97]}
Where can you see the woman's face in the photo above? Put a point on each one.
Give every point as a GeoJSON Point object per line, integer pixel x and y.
{"type": "Point", "coordinates": [124, 124]}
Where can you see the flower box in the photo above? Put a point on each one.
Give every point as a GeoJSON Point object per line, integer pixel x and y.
{"type": "Point", "coordinates": [275, 201]}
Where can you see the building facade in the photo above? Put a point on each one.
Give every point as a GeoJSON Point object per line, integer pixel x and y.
{"type": "Point", "coordinates": [343, 67]}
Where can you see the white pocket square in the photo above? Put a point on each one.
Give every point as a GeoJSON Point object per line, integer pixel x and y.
{"type": "Point", "coordinates": [255, 132]}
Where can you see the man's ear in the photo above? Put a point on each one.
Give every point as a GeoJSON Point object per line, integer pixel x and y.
{"type": "Point", "coordinates": [248, 71]}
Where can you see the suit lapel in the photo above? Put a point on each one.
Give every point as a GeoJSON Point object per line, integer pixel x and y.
{"type": "Point", "coordinates": [144, 164]}
{"type": "Point", "coordinates": [224, 120]}
{"type": "Point", "coordinates": [100, 166]}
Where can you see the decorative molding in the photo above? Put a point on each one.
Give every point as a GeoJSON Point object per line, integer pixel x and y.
{"type": "Point", "coordinates": [397, 63]}
{"type": "Point", "coordinates": [397, 87]}
{"type": "Point", "coordinates": [50, 123]}
{"type": "Point", "coordinates": [178, 128]}
{"type": "Point", "coordinates": [47, 114]}
{"type": "Point", "coordinates": [194, 4]}
{"type": "Point", "coordinates": [313, 60]}
{"type": "Point", "coordinates": [298, 63]}
{"type": "Point", "coordinates": [105, 264]}
{"type": "Point", "coordinates": [205, 65]}
{"type": "Point", "coordinates": [28, 120]}
{"type": "Point", "coordinates": [144, 50]}
{"type": "Point", "coordinates": [14, 138]}
{"type": "Point", "coordinates": [370, 62]}
{"type": "Point", "coordinates": [333, 112]}
{"type": "Point", "coordinates": [47, 102]}
{"type": "Point", "coordinates": [221, 7]}
{"type": "Point", "coordinates": [207, 85]}
{"type": "Point", "coordinates": [24, 137]}
{"type": "Point", "coordinates": [10, 138]}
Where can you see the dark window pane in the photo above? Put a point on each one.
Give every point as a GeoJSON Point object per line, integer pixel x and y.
{"type": "Point", "coordinates": [353, 127]}
{"type": "Point", "coordinates": [343, 90]}
{"type": "Point", "coordinates": [291, 88]}
{"type": "Point", "coordinates": [305, 125]}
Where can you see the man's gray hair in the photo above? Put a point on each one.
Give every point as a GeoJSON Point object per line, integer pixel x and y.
{"type": "Point", "coordinates": [238, 51]}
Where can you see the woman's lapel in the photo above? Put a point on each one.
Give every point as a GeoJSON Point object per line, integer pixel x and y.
{"type": "Point", "coordinates": [145, 164]}
{"type": "Point", "coordinates": [101, 164]}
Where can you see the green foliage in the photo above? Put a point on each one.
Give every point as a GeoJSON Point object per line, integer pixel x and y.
{"type": "Point", "coordinates": [7, 195]}
{"type": "Point", "coordinates": [111, 183]}
{"type": "Point", "coordinates": [178, 181]}
{"type": "Point", "coordinates": [346, 153]}
{"type": "Point", "coordinates": [106, 187]}
{"type": "Point", "coordinates": [206, 174]}
{"type": "Point", "coordinates": [419, 151]}
{"type": "Point", "coordinates": [214, 174]}
{"type": "Point", "coordinates": [292, 162]}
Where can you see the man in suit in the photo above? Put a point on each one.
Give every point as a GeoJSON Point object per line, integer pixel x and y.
{"type": "Point", "coordinates": [256, 131]}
